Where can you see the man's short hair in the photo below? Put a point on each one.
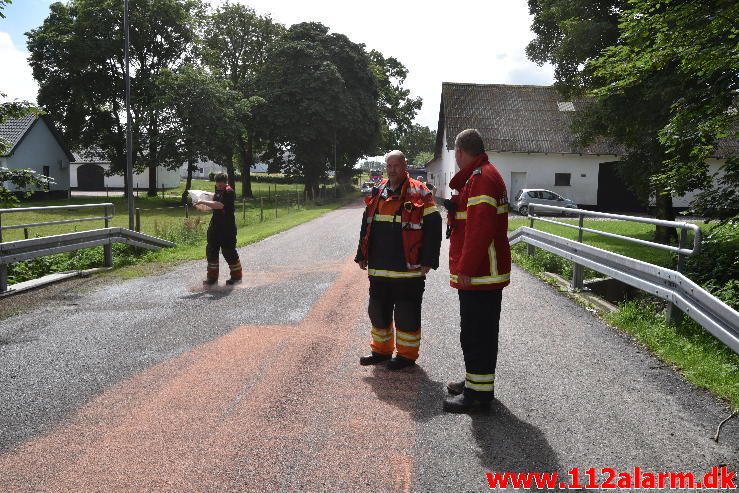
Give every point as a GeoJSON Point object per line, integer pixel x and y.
{"type": "Point", "coordinates": [221, 178]}
{"type": "Point", "coordinates": [470, 141]}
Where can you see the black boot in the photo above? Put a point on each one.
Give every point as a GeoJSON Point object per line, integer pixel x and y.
{"type": "Point", "coordinates": [466, 404]}
{"type": "Point", "coordinates": [209, 282]}
{"type": "Point", "coordinates": [399, 362]}
{"type": "Point", "coordinates": [231, 282]}
{"type": "Point", "coordinates": [373, 359]}
{"type": "Point", "coordinates": [455, 388]}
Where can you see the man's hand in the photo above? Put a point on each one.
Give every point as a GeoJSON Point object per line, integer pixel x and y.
{"type": "Point", "coordinates": [425, 269]}
{"type": "Point", "coordinates": [362, 264]}
{"type": "Point", "coordinates": [465, 282]}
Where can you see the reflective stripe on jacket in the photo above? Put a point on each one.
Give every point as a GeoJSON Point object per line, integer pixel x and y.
{"type": "Point", "coordinates": [479, 241]}
{"type": "Point", "coordinates": [415, 203]}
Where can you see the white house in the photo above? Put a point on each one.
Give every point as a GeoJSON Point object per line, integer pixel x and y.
{"type": "Point", "coordinates": [527, 135]}
{"type": "Point", "coordinates": [90, 171]}
{"type": "Point", "coordinates": [35, 144]}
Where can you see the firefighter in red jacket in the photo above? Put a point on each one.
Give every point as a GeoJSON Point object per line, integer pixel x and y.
{"type": "Point", "coordinates": [480, 267]}
{"type": "Point", "coordinates": [400, 240]}
{"type": "Point", "coordinates": [222, 232]}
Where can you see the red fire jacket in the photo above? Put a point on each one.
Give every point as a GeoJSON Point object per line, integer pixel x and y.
{"type": "Point", "coordinates": [479, 242]}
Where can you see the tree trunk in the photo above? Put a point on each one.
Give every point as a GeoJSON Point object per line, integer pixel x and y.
{"type": "Point", "coordinates": [188, 183]}
{"type": "Point", "coordinates": [231, 174]}
{"type": "Point", "coordinates": [246, 150]}
{"type": "Point", "coordinates": [153, 190]}
{"type": "Point", "coordinates": [665, 212]}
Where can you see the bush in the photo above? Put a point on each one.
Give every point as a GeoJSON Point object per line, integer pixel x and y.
{"type": "Point", "coordinates": [80, 260]}
{"type": "Point", "coordinates": [718, 260]}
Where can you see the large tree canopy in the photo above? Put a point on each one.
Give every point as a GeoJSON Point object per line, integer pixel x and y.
{"type": "Point", "coordinates": [418, 144]}
{"type": "Point", "coordinates": [77, 56]}
{"type": "Point", "coordinates": [691, 50]}
{"type": "Point", "coordinates": [660, 77]}
{"type": "Point", "coordinates": [235, 46]}
{"type": "Point", "coordinates": [322, 101]}
{"type": "Point", "coordinates": [396, 106]}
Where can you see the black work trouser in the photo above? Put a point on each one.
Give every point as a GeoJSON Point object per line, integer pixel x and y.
{"type": "Point", "coordinates": [480, 324]}
{"type": "Point", "coordinates": [222, 239]}
{"type": "Point", "coordinates": [397, 300]}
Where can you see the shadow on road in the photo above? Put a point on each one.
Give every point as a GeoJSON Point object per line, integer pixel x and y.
{"type": "Point", "coordinates": [410, 390]}
{"type": "Point", "coordinates": [214, 293]}
{"type": "Point", "coordinates": [510, 444]}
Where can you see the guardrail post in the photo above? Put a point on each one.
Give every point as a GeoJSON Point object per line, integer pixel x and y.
{"type": "Point", "coordinates": [577, 269]}
{"type": "Point", "coordinates": [3, 278]}
{"type": "Point", "coordinates": [674, 314]}
{"type": "Point", "coordinates": [108, 247]}
{"type": "Point", "coordinates": [261, 209]}
{"type": "Point", "coordinates": [530, 249]}
{"type": "Point", "coordinates": [138, 220]}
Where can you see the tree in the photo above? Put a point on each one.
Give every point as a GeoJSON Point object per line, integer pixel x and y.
{"type": "Point", "coordinates": [201, 118]}
{"type": "Point", "coordinates": [396, 107]}
{"type": "Point", "coordinates": [693, 47]}
{"type": "Point", "coordinates": [3, 4]}
{"type": "Point", "coordinates": [572, 35]}
{"type": "Point", "coordinates": [664, 80]}
{"type": "Point", "coordinates": [235, 46]}
{"type": "Point", "coordinates": [77, 56]}
{"type": "Point", "coordinates": [322, 102]}
{"type": "Point", "coordinates": [417, 143]}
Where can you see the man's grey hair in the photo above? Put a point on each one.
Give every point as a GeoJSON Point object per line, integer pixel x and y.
{"type": "Point", "coordinates": [395, 153]}
{"type": "Point", "coordinates": [470, 141]}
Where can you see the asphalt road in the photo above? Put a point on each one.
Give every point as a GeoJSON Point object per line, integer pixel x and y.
{"type": "Point", "coordinates": [153, 384]}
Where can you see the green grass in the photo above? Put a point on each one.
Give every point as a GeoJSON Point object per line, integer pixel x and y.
{"type": "Point", "coordinates": [156, 213]}
{"type": "Point", "coordinates": [699, 357]}
{"type": "Point", "coordinates": [163, 218]}
{"type": "Point", "coordinates": [264, 190]}
{"type": "Point", "coordinates": [622, 247]}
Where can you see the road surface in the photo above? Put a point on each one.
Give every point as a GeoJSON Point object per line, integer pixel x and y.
{"type": "Point", "coordinates": [153, 384]}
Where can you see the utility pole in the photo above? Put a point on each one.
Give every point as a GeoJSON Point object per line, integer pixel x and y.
{"type": "Point", "coordinates": [129, 136]}
{"type": "Point", "coordinates": [336, 177]}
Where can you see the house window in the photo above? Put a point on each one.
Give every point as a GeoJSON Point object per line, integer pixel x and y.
{"type": "Point", "coordinates": [47, 170]}
{"type": "Point", "coordinates": [562, 179]}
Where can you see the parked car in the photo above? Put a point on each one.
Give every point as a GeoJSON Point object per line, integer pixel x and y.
{"type": "Point", "coordinates": [535, 196]}
{"type": "Point", "coordinates": [367, 187]}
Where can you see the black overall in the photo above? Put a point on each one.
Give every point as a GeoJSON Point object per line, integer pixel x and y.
{"type": "Point", "coordinates": [222, 236]}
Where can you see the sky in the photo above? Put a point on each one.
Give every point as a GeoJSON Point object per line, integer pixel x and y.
{"type": "Point", "coordinates": [477, 41]}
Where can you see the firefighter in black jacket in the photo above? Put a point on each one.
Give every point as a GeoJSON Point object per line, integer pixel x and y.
{"type": "Point", "coordinates": [222, 232]}
{"type": "Point", "coordinates": [400, 240]}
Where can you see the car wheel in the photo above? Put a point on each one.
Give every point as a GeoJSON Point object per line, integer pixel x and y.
{"type": "Point", "coordinates": [524, 210]}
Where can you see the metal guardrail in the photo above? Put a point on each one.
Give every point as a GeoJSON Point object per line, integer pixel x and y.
{"type": "Point", "coordinates": [670, 285]}
{"type": "Point", "coordinates": [107, 207]}
{"type": "Point", "coordinates": [20, 250]}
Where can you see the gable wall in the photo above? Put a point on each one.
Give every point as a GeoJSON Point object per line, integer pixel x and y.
{"type": "Point", "coordinates": [40, 148]}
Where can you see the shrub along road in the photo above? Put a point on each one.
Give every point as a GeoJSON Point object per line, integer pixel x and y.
{"type": "Point", "coordinates": [153, 384]}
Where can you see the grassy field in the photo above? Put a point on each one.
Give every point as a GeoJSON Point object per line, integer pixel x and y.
{"type": "Point", "coordinates": [157, 214]}
{"type": "Point", "coordinates": [633, 230]}
{"type": "Point", "coordinates": [164, 218]}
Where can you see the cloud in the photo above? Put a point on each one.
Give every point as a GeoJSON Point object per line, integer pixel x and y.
{"type": "Point", "coordinates": [17, 81]}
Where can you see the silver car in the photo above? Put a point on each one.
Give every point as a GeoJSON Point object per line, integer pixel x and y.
{"type": "Point", "coordinates": [529, 196]}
